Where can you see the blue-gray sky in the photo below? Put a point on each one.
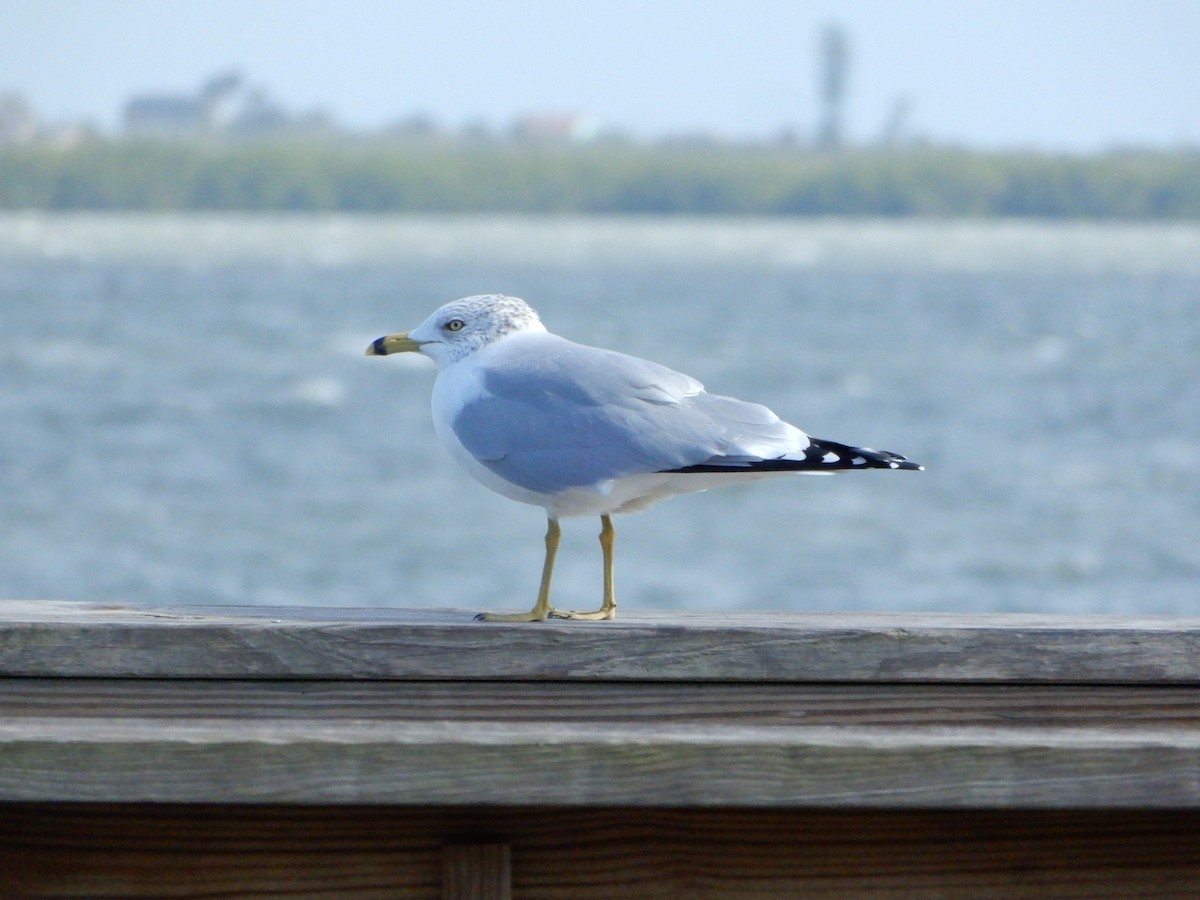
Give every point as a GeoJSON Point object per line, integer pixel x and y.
{"type": "Point", "coordinates": [1048, 74]}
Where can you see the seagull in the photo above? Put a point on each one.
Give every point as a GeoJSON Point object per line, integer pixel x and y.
{"type": "Point", "coordinates": [583, 431]}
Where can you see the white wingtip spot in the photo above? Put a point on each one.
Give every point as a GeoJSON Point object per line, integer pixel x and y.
{"type": "Point", "coordinates": [858, 461]}
{"type": "Point", "coordinates": [830, 457]}
{"type": "Point", "coordinates": [893, 465]}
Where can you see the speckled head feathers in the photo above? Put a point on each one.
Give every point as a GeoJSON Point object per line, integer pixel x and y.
{"type": "Point", "coordinates": [461, 327]}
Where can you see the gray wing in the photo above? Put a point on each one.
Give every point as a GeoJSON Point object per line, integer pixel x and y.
{"type": "Point", "coordinates": [555, 415]}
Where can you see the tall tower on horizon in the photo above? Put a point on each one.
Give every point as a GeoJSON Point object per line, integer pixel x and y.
{"type": "Point", "coordinates": [832, 76]}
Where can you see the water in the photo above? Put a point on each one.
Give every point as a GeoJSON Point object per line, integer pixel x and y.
{"type": "Point", "coordinates": [186, 415]}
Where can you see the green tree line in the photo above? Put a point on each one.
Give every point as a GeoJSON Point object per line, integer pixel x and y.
{"type": "Point", "coordinates": [379, 177]}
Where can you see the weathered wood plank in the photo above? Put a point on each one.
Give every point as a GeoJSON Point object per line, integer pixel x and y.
{"type": "Point", "coordinates": [641, 763]}
{"type": "Point", "coordinates": [244, 723]}
{"type": "Point", "coordinates": [58, 639]}
{"type": "Point", "coordinates": [73, 850]}
{"type": "Point", "coordinates": [1017, 706]}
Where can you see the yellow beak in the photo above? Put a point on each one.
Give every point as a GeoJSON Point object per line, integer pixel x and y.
{"type": "Point", "coordinates": [393, 343]}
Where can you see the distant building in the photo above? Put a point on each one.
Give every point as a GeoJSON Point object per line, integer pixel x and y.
{"type": "Point", "coordinates": [556, 128]}
{"type": "Point", "coordinates": [163, 117]}
{"type": "Point", "coordinates": [224, 106]}
{"type": "Point", "coordinates": [259, 114]}
{"type": "Point", "coordinates": [18, 124]}
{"type": "Point", "coordinates": [180, 116]}
{"type": "Point", "coordinates": [418, 128]}
{"type": "Point", "coordinates": [694, 140]}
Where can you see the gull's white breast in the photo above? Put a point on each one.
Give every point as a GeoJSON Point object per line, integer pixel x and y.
{"type": "Point", "coordinates": [457, 385]}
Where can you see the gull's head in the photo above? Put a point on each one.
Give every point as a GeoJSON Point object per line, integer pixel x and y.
{"type": "Point", "coordinates": [461, 327]}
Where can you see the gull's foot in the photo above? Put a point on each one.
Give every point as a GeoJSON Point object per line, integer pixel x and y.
{"type": "Point", "coordinates": [532, 616]}
{"type": "Point", "coordinates": [598, 615]}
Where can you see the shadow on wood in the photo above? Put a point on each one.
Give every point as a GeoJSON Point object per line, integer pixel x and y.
{"type": "Point", "coordinates": [52, 850]}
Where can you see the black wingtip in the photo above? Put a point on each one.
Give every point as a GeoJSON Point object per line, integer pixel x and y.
{"type": "Point", "coordinates": [820, 456]}
{"type": "Point", "coordinates": [887, 460]}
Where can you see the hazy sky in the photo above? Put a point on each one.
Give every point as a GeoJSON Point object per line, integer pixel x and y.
{"type": "Point", "coordinates": [1052, 74]}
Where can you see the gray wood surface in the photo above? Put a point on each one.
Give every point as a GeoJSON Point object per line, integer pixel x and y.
{"type": "Point", "coordinates": [1122, 708]}
{"type": "Point", "coordinates": [375, 706]}
{"type": "Point", "coordinates": [54, 639]}
{"type": "Point", "coordinates": [596, 744]}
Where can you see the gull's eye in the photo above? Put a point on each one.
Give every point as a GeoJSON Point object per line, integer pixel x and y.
{"type": "Point", "coordinates": [455, 325]}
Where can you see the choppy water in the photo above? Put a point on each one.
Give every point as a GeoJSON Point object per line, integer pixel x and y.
{"type": "Point", "coordinates": [186, 415]}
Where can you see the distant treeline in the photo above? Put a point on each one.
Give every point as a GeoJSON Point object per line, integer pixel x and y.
{"type": "Point", "coordinates": [370, 177]}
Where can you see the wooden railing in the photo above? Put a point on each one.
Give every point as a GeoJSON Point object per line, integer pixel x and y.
{"type": "Point", "coordinates": [155, 751]}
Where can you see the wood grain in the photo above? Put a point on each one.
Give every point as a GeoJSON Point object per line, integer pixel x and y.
{"type": "Point", "coordinates": [477, 872]}
{"type": "Point", "coordinates": [1016, 706]}
{"type": "Point", "coordinates": [390, 753]}
{"type": "Point", "coordinates": [52, 639]}
{"type": "Point", "coordinates": [76, 850]}
{"type": "Point", "coordinates": [935, 706]}
{"type": "Point", "coordinates": [657, 744]}
{"type": "Point", "coordinates": [643, 767]}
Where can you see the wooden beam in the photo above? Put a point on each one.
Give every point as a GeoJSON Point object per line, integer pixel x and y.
{"type": "Point", "coordinates": [656, 744]}
{"type": "Point", "coordinates": [50, 639]}
{"type": "Point", "coordinates": [1128, 708]}
{"type": "Point", "coordinates": [364, 853]}
{"type": "Point", "coordinates": [385, 753]}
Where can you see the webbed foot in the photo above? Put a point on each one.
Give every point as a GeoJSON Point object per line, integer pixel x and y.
{"type": "Point", "coordinates": [598, 615]}
{"type": "Point", "coordinates": [534, 615]}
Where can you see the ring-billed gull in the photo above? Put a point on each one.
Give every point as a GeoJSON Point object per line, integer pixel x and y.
{"type": "Point", "coordinates": [578, 430]}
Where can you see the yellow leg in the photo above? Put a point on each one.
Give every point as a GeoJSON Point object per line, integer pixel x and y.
{"type": "Point", "coordinates": [608, 609]}
{"type": "Point", "coordinates": [541, 610]}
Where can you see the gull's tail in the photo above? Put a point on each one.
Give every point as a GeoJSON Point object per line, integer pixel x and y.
{"type": "Point", "coordinates": [818, 456]}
